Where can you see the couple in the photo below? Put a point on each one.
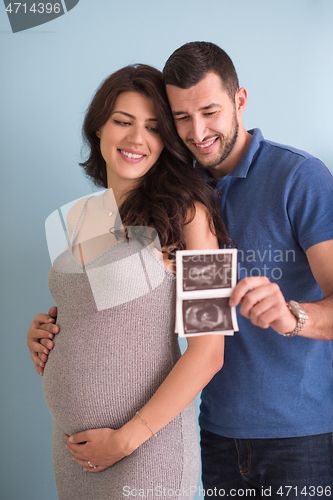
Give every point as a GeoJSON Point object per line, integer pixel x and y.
{"type": "Point", "coordinates": [267, 417]}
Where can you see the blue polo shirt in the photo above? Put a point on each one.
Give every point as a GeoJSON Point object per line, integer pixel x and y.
{"type": "Point", "coordinates": [276, 203]}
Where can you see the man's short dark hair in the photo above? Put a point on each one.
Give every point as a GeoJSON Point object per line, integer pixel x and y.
{"type": "Point", "coordinates": [189, 64]}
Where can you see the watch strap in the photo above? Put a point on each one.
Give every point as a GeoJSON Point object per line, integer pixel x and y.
{"type": "Point", "coordinates": [299, 314]}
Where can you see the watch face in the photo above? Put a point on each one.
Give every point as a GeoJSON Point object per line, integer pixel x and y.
{"type": "Point", "coordinates": [294, 305]}
{"type": "Point", "coordinates": [297, 309]}
{"type": "Point", "coordinates": [300, 314]}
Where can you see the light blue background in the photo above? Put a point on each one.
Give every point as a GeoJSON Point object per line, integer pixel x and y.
{"type": "Point", "coordinates": [283, 54]}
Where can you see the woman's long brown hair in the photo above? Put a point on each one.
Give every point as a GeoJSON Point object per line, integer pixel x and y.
{"type": "Point", "coordinates": [165, 198]}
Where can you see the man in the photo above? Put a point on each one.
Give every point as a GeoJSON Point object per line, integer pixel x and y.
{"type": "Point", "coordinates": [267, 417]}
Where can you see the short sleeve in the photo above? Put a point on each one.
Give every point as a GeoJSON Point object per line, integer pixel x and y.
{"type": "Point", "coordinates": [309, 201]}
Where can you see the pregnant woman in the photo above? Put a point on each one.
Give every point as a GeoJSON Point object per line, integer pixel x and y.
{"type": "Point", "coordinates": [116, 379]}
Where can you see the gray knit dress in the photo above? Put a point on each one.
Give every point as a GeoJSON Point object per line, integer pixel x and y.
{"type": "Point", "coordinates": [115, 347]}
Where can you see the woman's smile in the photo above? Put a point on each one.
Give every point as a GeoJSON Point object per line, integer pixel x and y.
{"type": "Point", "coordinates": [131, 155]}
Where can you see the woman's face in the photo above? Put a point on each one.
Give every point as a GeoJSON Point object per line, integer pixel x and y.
{"type": "Point", "coordinates": [129, 141]}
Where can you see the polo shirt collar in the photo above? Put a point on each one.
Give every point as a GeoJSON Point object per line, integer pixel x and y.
{"type": "Point", "coordinates": [242, 167]}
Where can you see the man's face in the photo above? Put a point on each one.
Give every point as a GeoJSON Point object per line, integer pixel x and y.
{"type": "Point", "coordinates": [206, 119]}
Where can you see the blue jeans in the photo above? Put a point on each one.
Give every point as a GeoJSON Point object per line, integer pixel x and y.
{"type": "Point", "coordinates": [299, 468]}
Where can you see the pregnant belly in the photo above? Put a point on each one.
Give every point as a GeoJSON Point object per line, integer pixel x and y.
{"type": "Point", "coordinates": [96, 377]}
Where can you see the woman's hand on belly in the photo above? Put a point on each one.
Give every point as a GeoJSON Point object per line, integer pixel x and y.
{"type": "Point", "coordinates": [99, 447]}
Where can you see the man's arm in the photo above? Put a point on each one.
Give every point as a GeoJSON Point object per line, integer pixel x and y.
{"type": "Point", "coordinates": [264, 304]}
{"type": "Point", "coordinates": [40, 335]}
{"type": "Point", "coordinates": [320, 323]}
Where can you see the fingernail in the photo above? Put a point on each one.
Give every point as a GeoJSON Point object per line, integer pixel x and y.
{"type": "Point", "coordinates": [71, 439]}
{"type": "Point", "coordinates": [45, 351]}
{"type": "Point", "coordinates": [51, 336]}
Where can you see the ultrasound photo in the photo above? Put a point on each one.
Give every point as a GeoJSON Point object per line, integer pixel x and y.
{"type": "Point", "coordinates": [205, 279]}
{"type": "Point", "coordinates": [207, 315]}
{"type": "Point", "coordinates": [206, 272]}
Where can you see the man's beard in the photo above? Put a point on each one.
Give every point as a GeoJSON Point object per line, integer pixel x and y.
{"type": "Point", "coordinates": [226, 147]}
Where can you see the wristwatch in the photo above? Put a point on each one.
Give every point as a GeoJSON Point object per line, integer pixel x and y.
{"type": "Point", "coordinates": [300, 314]}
